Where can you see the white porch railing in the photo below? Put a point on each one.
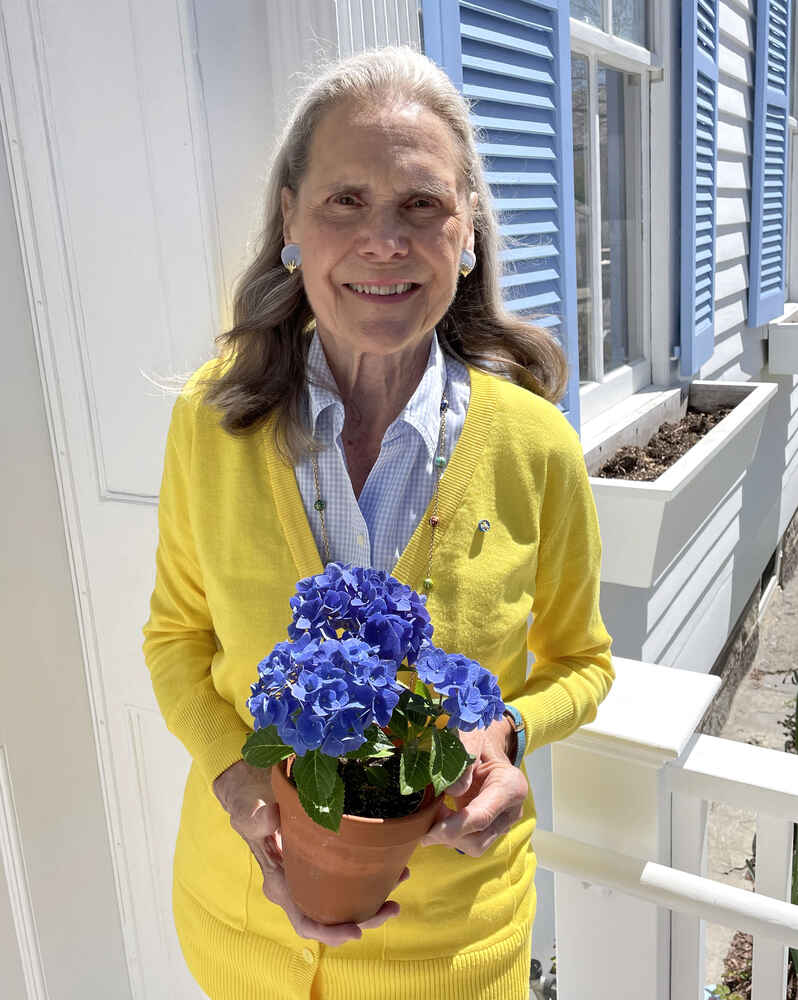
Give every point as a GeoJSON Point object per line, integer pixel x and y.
{"type": "Point", "coordinates": [629, 803]}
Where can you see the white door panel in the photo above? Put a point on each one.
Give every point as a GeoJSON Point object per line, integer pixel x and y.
{"type": "Point", "coordinates": [138, 137]}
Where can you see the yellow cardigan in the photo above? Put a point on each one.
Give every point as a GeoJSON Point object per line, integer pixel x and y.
{"type": "Point", "coordinates": [234, 539]}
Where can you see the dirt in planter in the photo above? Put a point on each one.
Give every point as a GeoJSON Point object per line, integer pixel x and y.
{"type": "Point", "coordinates": [361, 798]}
{"type": "Point", "coordinates": [669, 444]}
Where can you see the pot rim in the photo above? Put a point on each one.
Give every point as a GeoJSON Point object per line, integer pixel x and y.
{"type": "Point", "coordinates": [428, 800]}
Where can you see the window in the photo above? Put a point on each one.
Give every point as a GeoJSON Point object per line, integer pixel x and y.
{"type": "Point", "coordinates": [628, 17]}
{"type": "Point", "coordinates": [610, 87]}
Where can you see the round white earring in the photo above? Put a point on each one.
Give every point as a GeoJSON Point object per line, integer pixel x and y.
{"type": "Point", "coordinates": [291, 256]}
{"type": "Point", "coordinates": [468, 261]}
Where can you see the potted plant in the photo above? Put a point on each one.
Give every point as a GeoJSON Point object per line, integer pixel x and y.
{"type": "Point", "coordinates": [358, 715]}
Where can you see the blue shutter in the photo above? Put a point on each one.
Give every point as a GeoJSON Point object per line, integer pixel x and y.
{"type": "Point", "coordinates": [512, 57]}
{"type": "Point", "coordinates": [699, 179]}
{"type": "Point", "coordinates": [766, 267]}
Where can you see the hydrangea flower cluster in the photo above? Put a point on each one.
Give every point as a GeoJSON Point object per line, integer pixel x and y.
{"type": "Point", "coordinates": [366, 603]}
{"type": "Point", "coordinates": [472, 696]}
{"type": "Point", "coordinates": [323, 693]}
{"type": "Point", "coordinates": [352, 629]}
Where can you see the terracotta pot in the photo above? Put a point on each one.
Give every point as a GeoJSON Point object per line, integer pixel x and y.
{"type": "Point", "coordinates": [348, 875]}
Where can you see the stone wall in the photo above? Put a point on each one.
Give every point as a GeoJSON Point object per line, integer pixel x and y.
{"type": "Point", "coordinates": [738, 653]}
{"type": "Point", "coordinates": [733, 664]}
{"type": "Point", "coordinates": [789, 554]}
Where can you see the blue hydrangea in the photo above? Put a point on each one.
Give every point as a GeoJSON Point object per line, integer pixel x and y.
{"type": "Point", "coordinates": [363, 603]}
{"type": "Point", "coordinates": [324, 693]}
{"type": "Point", "coordinates": [471, 695]}
{"type": "Point", "coordinates": [352, 628]}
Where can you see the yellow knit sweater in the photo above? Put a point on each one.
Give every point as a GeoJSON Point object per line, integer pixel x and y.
{"type": "Point", "coordinates": [234, 539]}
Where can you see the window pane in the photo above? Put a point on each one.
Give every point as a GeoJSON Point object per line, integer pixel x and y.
{"type": "Point", "coordinates": [587, 10]}
{"type": "Point", "coordinates": [614, 221]}
{"type": "Point", "coordinates": [579, 104]}
{"type": "Point", "coordinates": [629, 20]}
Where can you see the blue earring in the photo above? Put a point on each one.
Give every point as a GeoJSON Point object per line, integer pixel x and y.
{"type": "Point", "coordinates": [291, 256]}
{"type": "Point", "coordinates": [467, 262]}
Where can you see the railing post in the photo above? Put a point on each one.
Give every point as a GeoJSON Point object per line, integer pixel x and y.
{"type": "Point", "coordinates": [773, 878]}
{"type": "Point", "coordinates": [609, 791]}
{"type": "Point", "coordinates": [688, 932]}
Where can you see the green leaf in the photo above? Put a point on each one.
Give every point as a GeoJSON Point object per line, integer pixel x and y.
{"type": "Point", "coordinates": [367, 752]}
{"type": "Point", "coordinates": [416, 707]}
{"type": "Point", "coordinates": [414, 770]}
{"type": "Point", "coordinates": [422, 689]}
{"type": "Point", "coordinates": [439, 783]}
{"type": "Point", "coordinates": [327, 814]}
{"type": "Point", "coordinates": [315, 775]}
{"type": "Point", "coordinates": [454, 758]}
{"type": "Point", "coordinates": [377, 745]}
{"type": "Point", "coordinates": [264, 748]}
{"type": "Point", "coordinates": [398, 725]}
{"type": "Point", "coordinates": [378, 776]}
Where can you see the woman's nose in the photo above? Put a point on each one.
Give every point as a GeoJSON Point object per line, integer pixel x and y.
{"type": "Point", "coordinates": [384, 234]}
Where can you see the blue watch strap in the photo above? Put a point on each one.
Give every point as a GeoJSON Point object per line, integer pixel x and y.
{"type": "Point", "coordinates": [520, 733]}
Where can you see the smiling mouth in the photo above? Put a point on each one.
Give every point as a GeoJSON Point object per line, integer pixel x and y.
{"type": "Point", "coordinates": [384, 293]}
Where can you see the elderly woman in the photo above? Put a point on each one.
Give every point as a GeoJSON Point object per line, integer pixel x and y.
{"type": "Point", "coordinates": [375, 404]}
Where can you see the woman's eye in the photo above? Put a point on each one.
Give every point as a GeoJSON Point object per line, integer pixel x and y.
{"type": "Point", "coordinates": [340, 200]}
{"type": "Point", "coordinates": [421, 203]}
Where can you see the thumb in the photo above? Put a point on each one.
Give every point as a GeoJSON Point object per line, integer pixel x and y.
{"type": "Point", "coordinates": [260, 820]}
{"type": "Point", "coordinates": [463, 783]}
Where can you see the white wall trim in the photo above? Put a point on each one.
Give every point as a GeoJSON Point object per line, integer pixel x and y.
{"type": "Point", "coordinates": [19, 888]}
{"type": "Point", "coordinates": [38, 206]}
{"type": "Point", "coordinates": [134, 718]}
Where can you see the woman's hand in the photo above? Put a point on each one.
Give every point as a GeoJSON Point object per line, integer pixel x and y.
{"type": "Point", "coordinates": [245, 792]}
{"type": "Point", "coordinates": [489, 794]}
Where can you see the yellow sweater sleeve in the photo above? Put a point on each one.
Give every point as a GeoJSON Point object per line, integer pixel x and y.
{"type": "Point", "coordinates": [572, 672]}
{"type": "Point", "coordinates": [179, 639]}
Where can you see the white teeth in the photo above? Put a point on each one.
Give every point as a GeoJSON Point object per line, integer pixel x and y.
{"type": "Point", "coordinates": [383, 289]}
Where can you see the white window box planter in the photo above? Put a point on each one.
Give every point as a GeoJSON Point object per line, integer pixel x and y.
{"type": "Point", "coordinates": [644, 526]}
{"type": "Point", "coordinates": [783, 342]}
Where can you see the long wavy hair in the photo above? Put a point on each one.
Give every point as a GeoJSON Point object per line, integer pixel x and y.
{"type": "Point", "coordinates": [266, 349]}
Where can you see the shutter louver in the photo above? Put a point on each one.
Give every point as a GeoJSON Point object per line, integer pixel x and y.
{"type": "Point", "coordinates": [699, 179]}
{"type": "Point", "coordinates": [515, 65]}
{"type": "Point", "coordinates": [766, 279]}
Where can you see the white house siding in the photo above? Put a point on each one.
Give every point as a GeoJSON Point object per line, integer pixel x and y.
{"type": "Point", "coordinates": [686, 618]}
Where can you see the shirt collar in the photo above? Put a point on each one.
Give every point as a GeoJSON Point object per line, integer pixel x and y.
{"type": "Point", "coordinates": [422, 411]}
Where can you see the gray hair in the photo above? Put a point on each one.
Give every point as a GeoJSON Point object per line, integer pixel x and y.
{"type": "Point", "coordinates": [267, 345]}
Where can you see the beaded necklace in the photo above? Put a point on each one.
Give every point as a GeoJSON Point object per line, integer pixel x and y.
{"type": "Point", "coordinates": [439, 464]}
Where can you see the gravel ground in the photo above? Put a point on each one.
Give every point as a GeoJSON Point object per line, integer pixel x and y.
{"type": "Point", "coordinates": [762, 701]}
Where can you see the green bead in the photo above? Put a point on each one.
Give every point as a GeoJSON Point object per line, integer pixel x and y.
{"type": "Point", "coordinates": [428, 583]}
{"type": "Point", "coordinates": [319, 505]}
{"type": "Point", "coordinates": [440, 461]}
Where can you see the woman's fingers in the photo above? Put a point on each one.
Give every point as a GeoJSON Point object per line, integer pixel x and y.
{"type": "Point", "coordinates": [463, 783]}
{"type": "Point", "coordinates": [495, 805]}
{"type": "Point", "coordinates": [390, 908]}
{"type": "Point", "coordinates": [258, 820]}
{"type": "Point", "coordinates": [476, 844]}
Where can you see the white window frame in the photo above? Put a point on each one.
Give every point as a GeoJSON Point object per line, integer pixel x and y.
{"type": "Point", "coordinates": [791, 291]}
{"type": "Point", "coordinates": [596, 397]}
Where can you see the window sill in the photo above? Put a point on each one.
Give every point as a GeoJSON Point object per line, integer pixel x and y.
{"type": "Point", "coordinates": [599, 398]}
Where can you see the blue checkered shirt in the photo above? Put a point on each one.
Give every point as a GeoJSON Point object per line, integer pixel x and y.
{"type": "Point", "coordinates": [374, 528]}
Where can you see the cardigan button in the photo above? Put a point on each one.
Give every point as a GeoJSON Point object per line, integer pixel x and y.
{"type": "Point", "coordinates": [307, 954]}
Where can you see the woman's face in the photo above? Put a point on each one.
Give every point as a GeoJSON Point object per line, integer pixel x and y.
{"type": "Point", "coordinates": [381, 205]}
